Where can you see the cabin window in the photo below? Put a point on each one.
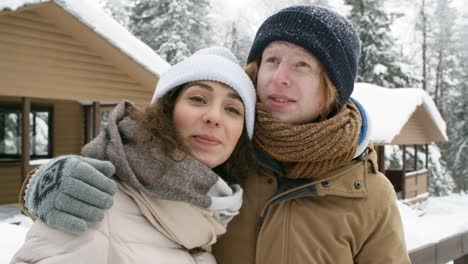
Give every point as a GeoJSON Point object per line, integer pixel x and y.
{"type": "Point", "coordinates": [40, 134]}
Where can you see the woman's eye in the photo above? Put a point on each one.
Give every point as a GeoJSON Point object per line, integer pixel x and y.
{"type": "Point", "coordinates": [197, 99]}
{"type": "Point", "coordinates": [233, 110]}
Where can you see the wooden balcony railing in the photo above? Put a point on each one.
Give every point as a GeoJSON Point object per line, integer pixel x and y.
{"type": "Point", "coordinates": [454, 248]}
{"type": "Point", "coordinates": [411, 183]}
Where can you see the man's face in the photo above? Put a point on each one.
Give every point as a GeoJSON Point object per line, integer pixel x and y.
{"type": "Point", "coordinates": [288, 83]}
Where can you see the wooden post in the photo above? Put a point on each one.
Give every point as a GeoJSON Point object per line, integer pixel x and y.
{"type": "Point", "coordinates": [464, 248]}
{"type": "Point", "coordinates": [96, 118]}
{"type": "Point", "coordinates": [381, 158]}
{"type": "Point", "coordinates": [427, 156]}
{"type": "Point", "coordinates": [403, 174]}
{"type": "Point", "coordinates": [25, 129]}
{"type": "Point", "coordinates": [415, 166]}
{"type": "Point", "coordinates": [461, 260]}
{"type": "Point", "coordinates": [415, 162]}
{"type": "Point", "coordinates": [88, 117]}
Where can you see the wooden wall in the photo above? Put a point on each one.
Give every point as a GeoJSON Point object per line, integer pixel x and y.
{"type": "Point", "coordinates": [9, 183]}
{"type": "Point", "coordinates": [47, 53]}
{"type": "Point", "coordinates": [68, 128]}
{"type": "Point", "coordinates": [418, 130]}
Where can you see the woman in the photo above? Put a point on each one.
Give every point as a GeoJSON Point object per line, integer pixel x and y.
{"type": "Point", "coordinates": [199, 107]}
{"type": "Point", "coordinates": [318, 196]}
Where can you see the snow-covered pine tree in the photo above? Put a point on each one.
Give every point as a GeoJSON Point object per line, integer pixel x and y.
{"type": "Point", "coordinates": [232, 28]}
{"type": "Point", "coordinates": [441, 181]}
{"type": "Point", "coordinates": [437, 23]}
{"type": "Point", "coordinates": [270, 7]}
{"type": "Point", "coordinates": [455, 103]}
{"type": "Point", "coordinates": [446, 54]}
{"type": "Point", "coordinates": [118, 9]}
{"type": "Point", "coordinates": [237, 40]}
{"type": "Point", "coordinates": [380, 62]}
{"type": "Point", "coordinates": [422, 24]}
{"type": "Point", "coordinates": [173, 28]}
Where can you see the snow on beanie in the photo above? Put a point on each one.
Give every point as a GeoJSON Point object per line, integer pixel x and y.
{"type": "Point", "coordinates": [324, 33]}
{"type": "Point", "coordinates": [212, 64]}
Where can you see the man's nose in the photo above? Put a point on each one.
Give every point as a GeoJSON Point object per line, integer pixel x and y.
{"type": "Point", "coordinates": [282, 75]}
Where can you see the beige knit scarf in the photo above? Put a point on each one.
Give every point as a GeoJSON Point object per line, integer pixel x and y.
{"type": "Point", "coordinates": [311, 149]}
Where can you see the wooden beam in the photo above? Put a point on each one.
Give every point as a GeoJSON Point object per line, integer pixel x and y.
{"type": "Point", "coordinates": [415, 161]}
{"type": "Point", "coordinates": [88, 119]}
{"type": "Point", "coordinates": [449, 248]}
{"type": "Point", "coordinates": [465, 243]}
{"type": "Point", "coordinates": [461, 260]}
{"type": "Point", "coordinates": [427, 156]}
{"type": "Point", "coordinates": [403, 174]}
{"type": "Point", "coordinates": [25, 129]}
{"type": "Point", "coordinates": [415, 164]}
{"type": "Point", "coordinates": [424, 255]}
{"type": "Point", "coordinates": [96, 118]}
{"type": "Point", "coordinates": [381, 158]}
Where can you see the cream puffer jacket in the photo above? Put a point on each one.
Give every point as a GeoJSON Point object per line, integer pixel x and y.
{"type": "Point", "coordinates": [124, 236]}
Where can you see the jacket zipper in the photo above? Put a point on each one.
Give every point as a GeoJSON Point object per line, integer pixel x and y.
{"type": "Point", "coordinates": [295, 193]}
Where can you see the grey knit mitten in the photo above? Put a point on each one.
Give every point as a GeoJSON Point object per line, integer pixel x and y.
{"type": "Point", "coordinates": [70, 192]}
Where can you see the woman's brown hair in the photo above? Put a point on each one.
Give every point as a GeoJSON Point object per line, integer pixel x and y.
{"type": "Point", "coordinates": [328, 89]}
{"type": "Point", "coordinates": [156, 123]}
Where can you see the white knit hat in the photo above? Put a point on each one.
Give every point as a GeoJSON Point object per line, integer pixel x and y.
{"type": "Point", "coordinates": [212, 64]}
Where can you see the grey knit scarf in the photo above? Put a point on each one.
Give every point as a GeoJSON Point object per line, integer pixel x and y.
{"type": "Point", "coordinates": [145, 167]}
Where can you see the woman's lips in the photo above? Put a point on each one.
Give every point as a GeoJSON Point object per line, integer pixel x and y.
{"type": "Point", "coordinates": [207, 140]}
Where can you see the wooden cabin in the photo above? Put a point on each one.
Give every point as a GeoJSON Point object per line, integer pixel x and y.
{"type": "Point", "coordinates": [407, 118]}
{"type": "Point", "coordinates": [62, 65]}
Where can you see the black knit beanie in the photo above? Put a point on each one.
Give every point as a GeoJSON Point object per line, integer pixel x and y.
{"type": "Point", "coordinates": [324, 33]}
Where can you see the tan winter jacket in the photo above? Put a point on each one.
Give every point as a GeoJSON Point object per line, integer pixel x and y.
{"type": "Point", "coordinates": [124, 236]}
{"type": "Point", "coordinates": [346, 216]}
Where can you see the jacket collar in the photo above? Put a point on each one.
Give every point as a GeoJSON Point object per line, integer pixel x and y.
{"type": "Point", "coordinates": [269, 162]}
{"type": "Point", "coordinates": [347, 181]}
{"type": "Point", "coordinates": [350, 180]}
{"type": "Point", "coordinates": [364, 133]}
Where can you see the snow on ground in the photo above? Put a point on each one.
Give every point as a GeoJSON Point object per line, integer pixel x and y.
{"type": "Point", "coordinates": [11, 233]}
{"type": "Point", "coordinates": [435, 219]}
{"type": "Point", "coordinates": [427, 222]}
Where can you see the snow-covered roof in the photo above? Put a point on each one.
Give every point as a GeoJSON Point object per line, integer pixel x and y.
{"type": "Point", "coordinates": [390, 109]}
{"type": "Point", "coordinates": [92, 15]}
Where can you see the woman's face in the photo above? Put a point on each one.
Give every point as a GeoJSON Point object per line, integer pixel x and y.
{"type": "Point", "coordinates": [209, 120]}
{"type": "Point", "coordinates": [288, 83]}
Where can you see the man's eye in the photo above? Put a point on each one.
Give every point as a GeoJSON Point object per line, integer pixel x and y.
{"type": "Point", "coordinates": [272, 60]}
{"type": "Point", "coordinates": [302, 64]}
{"type": "Point", "coordinates": [303, 67]}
